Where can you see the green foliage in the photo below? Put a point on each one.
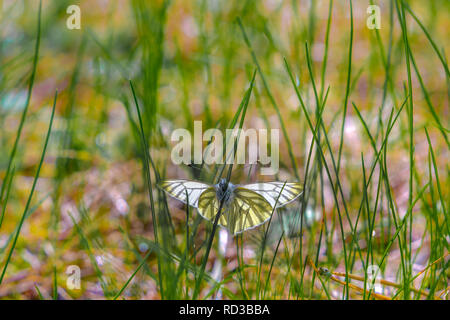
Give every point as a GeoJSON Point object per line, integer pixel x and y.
{"type": "Point", "coordinates": [364, 124]}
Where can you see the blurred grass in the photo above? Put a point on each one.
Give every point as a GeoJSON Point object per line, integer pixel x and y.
{"type": "Point", "coordinates": [364, 116]}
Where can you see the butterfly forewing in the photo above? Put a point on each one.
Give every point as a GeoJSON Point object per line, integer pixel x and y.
{"type": "Point", "coordinates": [271, 190]}
{"type": "Point", "coordinates": [184, 190]}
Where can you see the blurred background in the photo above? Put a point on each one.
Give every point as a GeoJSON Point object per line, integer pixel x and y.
{"type": "Point", "coordinates": [188, 61]}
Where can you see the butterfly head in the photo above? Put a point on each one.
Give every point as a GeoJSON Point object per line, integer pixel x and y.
{"type": "Point", "coordinates": [224, 190]}
{"type": "Point", "coordinates": [223, 185]}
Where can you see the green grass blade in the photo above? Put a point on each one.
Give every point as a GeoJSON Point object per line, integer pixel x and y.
{"type": "Point", "coordinates": [347, 88]}
{"type": "Point", "coordinates": [272, 99]}
{"type": "Point", "coordinates": [36, 177]}
{"type": "Point", "coordinates": [132, 275]}
{"type": "Point", "coordinates": [27, 103]}
{"type": "Point", "coordinates": [149, 184]}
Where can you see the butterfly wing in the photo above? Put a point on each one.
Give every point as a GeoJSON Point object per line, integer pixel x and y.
{"type": "Point", "coordinates": [249, 210]}
{"type": "Point", "coordinates": [246, 210]}
{"type": "Point", "coordinates": [271, 190]}
{"type": "Point", "coordinates": [208, 206]}
{"type": "Point", "coordinates": [179, 188]}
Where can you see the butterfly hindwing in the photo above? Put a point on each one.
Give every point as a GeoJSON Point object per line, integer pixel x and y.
{"type": "Point", "coordinates": [208, 206]}
{"type": "Point", "coordinates": [271, 190]}
{"type": "Point", "coordinates": [249, 210]}
{"type": "Point", "coordinates": [179, 188]}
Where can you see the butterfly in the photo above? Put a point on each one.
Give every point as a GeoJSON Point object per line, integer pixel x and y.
{"type": "Point", "coordinates": [244, 206]}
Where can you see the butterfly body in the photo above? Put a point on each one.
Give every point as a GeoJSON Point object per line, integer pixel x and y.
{"type": "Point", "coordinates": [243, 207]}
{"type": "Point", "coordinates": [224, 192]}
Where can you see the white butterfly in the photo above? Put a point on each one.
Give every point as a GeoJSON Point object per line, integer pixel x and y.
{"type": "Point", "coordinates": [244, 206]}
